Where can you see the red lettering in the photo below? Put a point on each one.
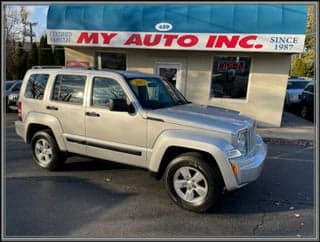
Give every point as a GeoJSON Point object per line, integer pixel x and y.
{"type": "Point", "coordinates": [169, 38]}
{"type": "Point", "coordinates": [211, 41]}
{"type": "Point", "coordinates": [84, 37]}
{"type": "Point", "coordinates": [223, 39]}
{"type": "Point", "coordinates": [134, 39]}
{"type": "Point", "coordinates": [188, 40]}
{"type": "Point", "coordinates": [107, 37]}
{"type": "Point", "coordinates": [244, 41]}
{"type": "Point", "coordinates": [148, 42]}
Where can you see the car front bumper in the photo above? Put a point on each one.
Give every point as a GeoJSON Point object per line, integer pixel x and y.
{"type": "Point", "coordinates": [249, 167]}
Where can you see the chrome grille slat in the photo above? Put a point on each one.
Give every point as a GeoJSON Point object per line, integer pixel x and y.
{"type": "Point", "coordinates": [251, 138]}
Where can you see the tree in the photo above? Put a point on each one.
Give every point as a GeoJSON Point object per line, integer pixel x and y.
{"type": "Point", "coordinates": [45, 52]}
{"type": "Point", "coordinates": [58, 56]}
{"type": "Point", "coordinates": [22, 61]}
{"type": "Point", "coordinates": [11, 19]}
{"type": "Point", "coordinates": [304, 64]}
{"type": "Point", "coordinates": [33, 59]}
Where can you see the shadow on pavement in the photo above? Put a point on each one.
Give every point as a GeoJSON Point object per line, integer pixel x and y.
{"type": "Point", "coordinates": [67, 203]}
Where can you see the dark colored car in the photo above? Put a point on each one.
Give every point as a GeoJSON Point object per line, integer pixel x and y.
{"type": "Point", "coordinates": [12, 94]}
{"type": "Point", "coordinates": [307, 101]}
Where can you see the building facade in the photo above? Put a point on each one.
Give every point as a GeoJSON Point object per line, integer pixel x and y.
{"type": "Point", "coordinates": [231, 56]}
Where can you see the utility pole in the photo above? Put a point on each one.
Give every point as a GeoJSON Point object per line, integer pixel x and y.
{"type": "Point", "coordinates": [30, 31]}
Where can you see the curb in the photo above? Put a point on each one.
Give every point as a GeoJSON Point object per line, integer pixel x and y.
{"type": "Point", "coordinates": [283, 141]}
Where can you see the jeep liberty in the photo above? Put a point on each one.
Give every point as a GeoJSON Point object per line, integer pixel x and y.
{"type": "Point", "coordinates": [141, 120]}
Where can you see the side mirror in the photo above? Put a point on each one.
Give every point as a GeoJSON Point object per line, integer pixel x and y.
{"type": "Point", "coordinates": [120, 105]}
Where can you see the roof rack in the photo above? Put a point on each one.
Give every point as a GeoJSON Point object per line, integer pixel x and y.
{"type": "Point", "coordinates": [64, 67]}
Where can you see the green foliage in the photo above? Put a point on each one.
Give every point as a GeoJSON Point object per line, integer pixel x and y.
{"type": "Point", "coordinates": [58, 56]}
{"type": "Point", "coordinates": [33, 56]}
{"type": "Point", "coordinates": [21, 61]}
{"type": "Point", "coordinates": [45, 52]}
{"type": "Point", "coordinates": [304, 65]}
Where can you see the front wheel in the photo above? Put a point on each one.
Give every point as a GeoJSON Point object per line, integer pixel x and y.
{"type": "Point", "coordinates": [46, 152]}
{"type": "Point", "coordinates": [192, 183]}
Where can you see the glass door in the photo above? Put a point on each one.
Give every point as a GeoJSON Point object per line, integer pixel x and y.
{"type": "Point", "coordinates": [170, 72]}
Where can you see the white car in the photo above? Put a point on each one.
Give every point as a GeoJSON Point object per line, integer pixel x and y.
{"type": "Point", "coordinates": [295, 88]}
{"type": "Point", "coordinates": [140, 120]}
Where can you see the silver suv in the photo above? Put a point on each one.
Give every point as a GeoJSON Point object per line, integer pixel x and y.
{"type": "Point", "coordinates": [141, 120]}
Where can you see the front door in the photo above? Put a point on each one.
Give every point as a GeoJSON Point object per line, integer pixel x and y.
{"type": "Point", "coordinates": [170, 72]}
{"type": "Point", "coordinates": [112, 135]}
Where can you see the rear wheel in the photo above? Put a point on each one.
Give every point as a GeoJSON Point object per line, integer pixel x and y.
{"type": "Point", "coordinates": [192, 183]}
{"type": "Point", "coordinates": [46, 152]}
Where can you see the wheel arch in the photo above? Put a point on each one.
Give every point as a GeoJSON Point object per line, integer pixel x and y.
{"type": "Point", "coordinates": [51, 124]}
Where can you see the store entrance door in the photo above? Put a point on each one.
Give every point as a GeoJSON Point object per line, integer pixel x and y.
{"type": "Point", "coordinates": [170, 72]}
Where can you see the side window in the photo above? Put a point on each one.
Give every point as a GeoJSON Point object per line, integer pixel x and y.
{"type": "Point", "coordinates": [309, 88]}
{"type": "Point", "coordinates": [36, 86]}
{"type": "Point", "coordinates": [103, 89]}
{"type": "Point", "coordinates": [69, 88]}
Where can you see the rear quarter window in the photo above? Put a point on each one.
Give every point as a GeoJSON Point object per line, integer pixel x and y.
{"type": "Point", "coordinates": [36, 86]}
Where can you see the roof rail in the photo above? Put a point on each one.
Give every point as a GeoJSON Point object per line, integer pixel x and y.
{"type": "Point", "coordinates": [47, 67]}
{"type": "Point", "coordinates": [64, 67]}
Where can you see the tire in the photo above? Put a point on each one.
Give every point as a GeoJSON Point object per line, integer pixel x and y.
{"type": "Point", "coordinates": [46, 152]}
{"type": "Point", "coordinates": [200, 190]}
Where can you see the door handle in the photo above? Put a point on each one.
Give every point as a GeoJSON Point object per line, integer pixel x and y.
{"type": "Point", "coordinates": [92, 114]}
{"type": "Point", "coordinates": [52, 108]}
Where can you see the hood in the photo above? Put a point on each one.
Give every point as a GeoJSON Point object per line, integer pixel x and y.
{"type": "Point", "coordinates": [204, 117]}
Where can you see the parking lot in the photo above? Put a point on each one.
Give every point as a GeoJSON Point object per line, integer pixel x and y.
{"type": "Point", "coordinates": [97, 199]}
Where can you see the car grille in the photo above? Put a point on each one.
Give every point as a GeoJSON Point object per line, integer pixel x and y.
{"type": "Point", "coordinates": [251, 138]}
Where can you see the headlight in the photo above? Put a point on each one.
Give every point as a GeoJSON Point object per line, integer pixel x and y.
{"type": "Point", "coordinates": [241, 142]}
{"type": "Point", "coordinates": [13, 96]}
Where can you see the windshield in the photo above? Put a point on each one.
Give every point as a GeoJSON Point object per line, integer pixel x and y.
{"type": "Point", "coordinates": [154, 93]}
{"type": "Point", "coordinates": [297, 84]}
{"type": "Point", "coordinates": [8, 85]}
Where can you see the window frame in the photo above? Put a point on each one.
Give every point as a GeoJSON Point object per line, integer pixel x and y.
{"type": "Point", "coordinates": [228, 99]}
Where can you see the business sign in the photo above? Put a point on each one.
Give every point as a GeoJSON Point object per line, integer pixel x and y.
{"type": "Point", "coordinates": [284, 43]}
{"type": "Point", "coordinates": [226, 65]}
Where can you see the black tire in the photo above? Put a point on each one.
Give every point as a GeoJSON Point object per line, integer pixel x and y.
{"type": "Point", "coordinates": [53, 157]}
{"type": "Point", "coordinates": [195, 162]}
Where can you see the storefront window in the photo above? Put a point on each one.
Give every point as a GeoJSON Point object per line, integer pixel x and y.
{"type": "Point", "coordinates": [230, 77]}
{"type": "Point", "coordinates": [108, 60]}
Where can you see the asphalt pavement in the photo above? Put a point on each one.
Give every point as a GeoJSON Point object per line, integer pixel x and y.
{"type": "Point", "coordinates": [91, 198]}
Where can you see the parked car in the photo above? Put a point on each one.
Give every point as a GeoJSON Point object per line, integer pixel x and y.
{"type": "Point", "coordinates": [295, 87]}
{"type": "Point", "coordinates": [141, 120]}
{"type": "Point", "coordinates": [307, 101]}
{"type": "Point", "coordinates": [12, 94]}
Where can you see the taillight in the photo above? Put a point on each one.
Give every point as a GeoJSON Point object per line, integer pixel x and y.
{"type": "Point", "coordinates": [19, 111]}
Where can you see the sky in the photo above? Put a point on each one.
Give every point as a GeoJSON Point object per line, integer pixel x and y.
{"type": "Point", "coordinates": [38, 14]}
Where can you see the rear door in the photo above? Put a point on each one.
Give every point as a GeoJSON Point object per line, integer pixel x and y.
{"type": "Point", "coordinates": [66, 103]}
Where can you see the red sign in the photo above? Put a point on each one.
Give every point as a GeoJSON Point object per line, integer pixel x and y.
{"type": "Point", "coordinates": [179, 41]}
{"type": "Point", "coordinates": [75, 63]}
